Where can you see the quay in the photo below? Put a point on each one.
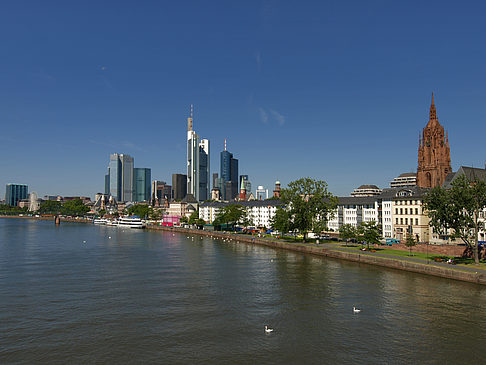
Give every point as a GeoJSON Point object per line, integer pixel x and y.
{"type": "Point", "coordinates": [444, 270]}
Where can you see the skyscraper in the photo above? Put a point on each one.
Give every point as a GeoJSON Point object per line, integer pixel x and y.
{"type": "Point", "coordinates": [434, 155]}
{"type": "Point", "coordinates": [121, 177]}
{"type": "Point", "coordinates": [229, 174]}
{"type": "Point", "coordinates": [179, 186]}
{"type": "Point", "coordinates": [142, 178]}
{"type": "Point", "coordinates": [14, 193]}
{"type": "Point", "coordinates": [198, 157]}
{"type": "Point", "coordinates": [204, 172]}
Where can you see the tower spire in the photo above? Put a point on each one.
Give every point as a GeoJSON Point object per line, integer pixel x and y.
{"type": "Point", "coordinates": [189, 120]}
{"type": "Point", "coordinates": [433, 111]}
{"type": "Point", "coordinates": [225, 144]}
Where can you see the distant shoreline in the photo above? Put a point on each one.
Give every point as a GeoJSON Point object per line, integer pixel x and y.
{"type": "Point", "coordinates": [454, 273]}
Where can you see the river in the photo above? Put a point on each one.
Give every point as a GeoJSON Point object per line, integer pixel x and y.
{"type": "Point", "coordinates": [81, 293]}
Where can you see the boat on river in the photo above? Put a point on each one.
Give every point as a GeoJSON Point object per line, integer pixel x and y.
{"type": "Point", "coordinates": [100, 221]}
{"type": "Point", "coordinates": [131, 222]}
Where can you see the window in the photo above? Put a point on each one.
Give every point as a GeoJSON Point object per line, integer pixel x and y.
{"type": "Point", "coordinates": [396, 211]}
{"type": "Point", "coordinates": [416, 222]}
{"type": "Point", "coordinates": [416, 211]}
{"type": "Point", "coordinates": [406, 221]}
{"type": "Point", "coordinates": [396, 220]}
{"type": "Point", "coordinates": [401, 220]}
{"type": "Point", "coordinates": [401, 210]}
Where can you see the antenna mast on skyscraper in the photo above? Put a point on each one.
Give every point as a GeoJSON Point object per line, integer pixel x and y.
{"type": "Point", "coordinates": [192, 111]}
{"type": "Point", "coordinates": [225, 144]}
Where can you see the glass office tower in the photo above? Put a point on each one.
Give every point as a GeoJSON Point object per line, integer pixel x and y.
{"type": "Point", "coordinates": [14, 193]}
{"type": "Point", "coordinates": [142, 179]}
{"type": "Point", "coordinates": [121, 177]}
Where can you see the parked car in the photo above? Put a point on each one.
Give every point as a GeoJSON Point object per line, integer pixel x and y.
{"type": "Point", "coordinates": [391, 241]}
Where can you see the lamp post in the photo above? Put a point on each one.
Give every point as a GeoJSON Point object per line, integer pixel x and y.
{"type": "Point", "coordinates": [427, 244]}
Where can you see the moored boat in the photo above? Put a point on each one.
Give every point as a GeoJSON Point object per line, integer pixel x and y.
{"type": "Point", "coordinates": [131, 222]}
{"type": "Point", "coordinates": [100, 221]}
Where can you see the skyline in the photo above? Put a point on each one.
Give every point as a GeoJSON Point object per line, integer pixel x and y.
{"type": "Point", "coordinates": [337, 92]}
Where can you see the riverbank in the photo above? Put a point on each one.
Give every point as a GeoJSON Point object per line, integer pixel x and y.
{"type": "Point", "coordinates": [443, 270]}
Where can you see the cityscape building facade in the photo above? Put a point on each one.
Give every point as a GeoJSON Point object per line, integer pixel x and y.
{"type": "Point", "coordinates": [405, 179]}
{"type": "Point", "coordinates": [366, 190]}
{"type": "Point", "coordinates": [198, 166]}
{"type": "Point", "coordinates": [142, 188]}
{"type": "Point", "coordinates": [434, 155]}
{"type": "Point", "coordinates": [261, 193]}
{"type": "Point", "coordinates": [14, 193]}
{"type": "Point", "coordinates": [179, 186]}
{"type": "Point", "coordinates": [121, 178]}
{"type": "Point", "coordinates": [229, 175]}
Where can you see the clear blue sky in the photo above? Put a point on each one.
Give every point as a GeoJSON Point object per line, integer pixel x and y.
{"type": "Point", "coordinates": [335, 90]}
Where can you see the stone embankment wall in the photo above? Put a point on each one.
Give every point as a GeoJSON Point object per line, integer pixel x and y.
{"type": "Point", "coordinates": [429, 269]}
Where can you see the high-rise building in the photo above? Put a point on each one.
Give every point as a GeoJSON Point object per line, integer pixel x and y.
{"type": "Point", "coordinates": [204, 173]}
{"type": "Point", "coordinates": [434, 155]}
{"type": "Point", "coordinates": [229, 174]}
{"type": "Point", "coordinates": [121, 177]}
{"type": "Point", "coordinates": [198, 158]}
{"type": "Point", "coordinates": [14, 193]}
{"type": "Point", "coordinates": [142, 178]}
{"type": "Point", "coordinates": [179, 186]}
{"type": "Point", "coordinates": [261, 193]}
{"type": "Point", "coordinates": [107, 182]}
{"type": "Point", "coordinates": [215, 180]}
{"type": "Point", "coordinates": [161, 192]}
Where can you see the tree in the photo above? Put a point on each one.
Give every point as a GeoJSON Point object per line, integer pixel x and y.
{"type": "Point", "coordinates": [281, 220]}
{"type": "Point", "coordinates": [142, 210]}
{"type": "Point", "coordinates": [348, 232]}
{"type": "Point", "coordinates": [456, 211]}
{"type": "Point", "coordinates": [50, 207]}
{"type": "Point", "coordinates": [307, 201]}
{"type": "Point", "coordinates": [410, 242]}
{"type": "Point", "coordinates": [193, 217]}
{"type": "Point", "coordinates": [230, 214]}
{"type": "Point", "coordinates": [74, 208]}
{"type": "Point", "coordinates": [369, 232]}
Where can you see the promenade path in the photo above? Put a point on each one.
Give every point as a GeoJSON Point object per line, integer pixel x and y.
{"type": "Point", "coordinates": [352, 249]}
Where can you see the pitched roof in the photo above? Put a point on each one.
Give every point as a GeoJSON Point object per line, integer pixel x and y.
{"type": "Point", "coordinates": [247, 204]}
{"type": "Point", "coordinates": [471, 173]}
{"type": "Point", "coordinates": [189, 198]}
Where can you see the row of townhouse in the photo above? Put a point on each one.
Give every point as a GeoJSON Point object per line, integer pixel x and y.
{"type": "Point", "coordinates": [260, 212]}
{"type": "Point", "coordinates": [398, 210]}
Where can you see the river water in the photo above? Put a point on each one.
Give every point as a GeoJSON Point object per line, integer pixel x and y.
{"type": "Point", "coordinates": [81, 293]}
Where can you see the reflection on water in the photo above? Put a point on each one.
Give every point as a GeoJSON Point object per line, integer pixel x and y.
{"type": "Point", "coordinates": [126, 296]}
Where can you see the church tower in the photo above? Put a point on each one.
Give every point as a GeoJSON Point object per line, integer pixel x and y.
{"type": "Point", "coordinates": [434, 155]}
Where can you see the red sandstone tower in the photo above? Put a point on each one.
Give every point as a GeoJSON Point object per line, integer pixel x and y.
{"type": "Point", "coordinates": [276, 192]}
{"type": "Point", "coordinates": [434, 155]}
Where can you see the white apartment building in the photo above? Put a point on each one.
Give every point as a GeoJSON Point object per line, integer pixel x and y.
{"type": "Point", "coordinates": [261, 212]}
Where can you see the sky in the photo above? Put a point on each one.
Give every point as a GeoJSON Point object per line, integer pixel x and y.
{"type": "Point", "coordinates": [334, 90]}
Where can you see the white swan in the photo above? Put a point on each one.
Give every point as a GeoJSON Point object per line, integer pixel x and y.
{"type": "Point", "coordinates": [268, 330]}
{"type": "Point", "coordinates": [356, 310]}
